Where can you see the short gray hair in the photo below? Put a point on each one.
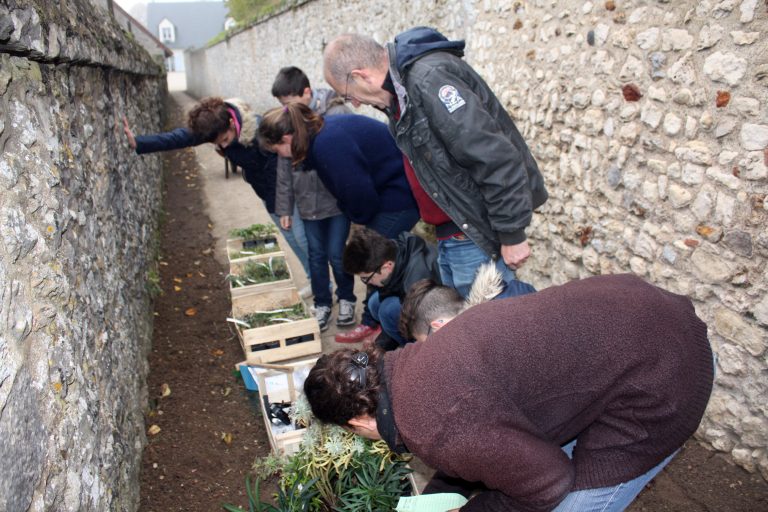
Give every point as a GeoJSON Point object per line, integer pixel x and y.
{"type": "Point", "coordinates": [352, 51]}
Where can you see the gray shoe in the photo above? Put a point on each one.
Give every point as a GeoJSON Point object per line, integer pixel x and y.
{"type": "Point", "coordinates": [346, 313]}
{"type": "Point", "coordinates": [323, 316]}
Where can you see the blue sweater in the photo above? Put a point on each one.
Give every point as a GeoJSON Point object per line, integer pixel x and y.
{"type": "Point", "coordinates": [259, 167]}
{"type": "Point", "coordinates": [359, 163]}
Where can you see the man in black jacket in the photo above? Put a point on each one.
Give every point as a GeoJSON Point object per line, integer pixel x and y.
{"type": "Point", "coordinates": [391, 266]}
{"type": "Point", "coordinates": [472, 174]}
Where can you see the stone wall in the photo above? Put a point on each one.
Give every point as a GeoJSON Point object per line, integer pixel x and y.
{"type": "Point", "coordinates": [650, 122]}
{"type": "Point", "coordinates": [77, 222]}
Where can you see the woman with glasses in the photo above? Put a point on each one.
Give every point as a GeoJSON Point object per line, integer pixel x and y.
{"type": "Point", "coordinates": [358, 162]}
{"type": "Point", "coordinates": [571, 398]}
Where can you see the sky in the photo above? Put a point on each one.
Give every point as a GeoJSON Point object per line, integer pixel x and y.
{"type": "Point", "coordinates": [137, 8]}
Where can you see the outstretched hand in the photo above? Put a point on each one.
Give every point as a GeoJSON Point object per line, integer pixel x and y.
{"type": "Point", "coordinates": [129, 133]}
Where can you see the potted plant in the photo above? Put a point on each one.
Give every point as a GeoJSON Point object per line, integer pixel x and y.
{"type": "Point", "coordinates": [336, 470]}
{"type": "Point", "coordinates": [251, 241]}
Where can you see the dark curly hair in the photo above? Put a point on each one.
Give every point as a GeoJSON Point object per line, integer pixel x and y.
{"type": "Point", "coordinates": [209, 119]}
{"type": "Point", "coordinates": [335, 398]}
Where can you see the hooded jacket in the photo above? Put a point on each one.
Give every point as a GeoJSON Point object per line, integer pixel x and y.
{"type": "Point", "coordinates": [259, 167]}
{"type": "Point", "coordinates": [466, 151]}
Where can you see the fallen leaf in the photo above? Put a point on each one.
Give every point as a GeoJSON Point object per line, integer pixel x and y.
{"type": "Point", "coordinates": [177, 288]}
{"type": "Point", "coordinates": [227, 391]}
{"type": "Point", "coordinates": [217, 352]}
{"type": "Point", "coordinates": [57, 387]}
{"type": "Point", "coordinates": [690, 242]}
{"type": "Point", "coordinates": [153, 430]}
{"type": "Point", "coordinates": [704, 231]}
{"type": "Point", "coordinates": [210, 226]}
{"type": "Point", "coordinates": [191, 311]}
{"type": "Point", "coordinates": [189, 274]}
{"type": "Point", "coordinates": [208, 251]}
{"type": "Point", "coordinates": [177, 280]}
{"type": "Point", "coordinates": [200, 274]}
{"type": "Point", "coordinates": [226, 437]}
{"type": "Point", "coordinates": [165, 390]}
{"type": "Point", "coordinates": [164, 263]}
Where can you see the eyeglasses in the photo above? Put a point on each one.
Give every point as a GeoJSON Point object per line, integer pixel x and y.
{"type": "Point", "coordinates": [367, 279]}
{"type": "Point", "coordinates": [358, 368]}
{"type": "Point", "coordinates": [346, 96]}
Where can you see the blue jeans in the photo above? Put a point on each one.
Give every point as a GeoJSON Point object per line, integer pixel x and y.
{"type": "Point", "coordinates": [607, 499]}
{"type": "Point", "coordinates": [459, 259]}
{"type": "Point", "coordinates": [388, 225]}
{"type": "Point", "coordinates": [296, 238]}
{"type": "Point", "coordinates": [326, 239]}
{"type": "Point", "coordinates": [387, 313]}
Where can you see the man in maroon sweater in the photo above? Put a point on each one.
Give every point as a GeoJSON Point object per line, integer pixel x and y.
{"type": "Point", "coordinates": [499, 397]}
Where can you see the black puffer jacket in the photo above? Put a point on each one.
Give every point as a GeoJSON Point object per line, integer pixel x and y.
{"type": "Point", "coordinates": [415, 260]}
{"type": "Point", "coordinates": [465, 149]}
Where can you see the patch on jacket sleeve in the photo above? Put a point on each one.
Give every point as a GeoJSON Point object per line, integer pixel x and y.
{"type": "Point", "coordinates": [451, 98]}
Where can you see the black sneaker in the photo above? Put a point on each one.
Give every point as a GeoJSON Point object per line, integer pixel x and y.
{"type": "Point", "coordinates": [346, 313]}
{"type": "Point", "coordinates": [323, 315]}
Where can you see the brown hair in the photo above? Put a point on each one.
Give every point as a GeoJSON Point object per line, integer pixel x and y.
{"type": "Point", "coordinates": [367, 251]}
{"type": "Point", "coordinates": [294, 119]}
{"type": "Point", "coordinates": [209, 119]}
{"type": "Point", "coordinates": [427, 301]}
{"type": "Point", "coordinates": [333, 396]}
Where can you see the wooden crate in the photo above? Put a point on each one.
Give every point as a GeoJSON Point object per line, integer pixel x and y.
{"type": "Point", "coordinates": [280, 385]}
{"type": "Point", "coordinates": [280, 341]}
{"type": "Point", "coordinates": [236, 266]}
{"type": "Point", "coordinates": [235, 245]}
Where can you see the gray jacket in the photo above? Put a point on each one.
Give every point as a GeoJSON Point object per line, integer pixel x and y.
{"type": "Point", "coordinates": [302, 187]}
{"type": "Point", "coordinates": [465, 150]}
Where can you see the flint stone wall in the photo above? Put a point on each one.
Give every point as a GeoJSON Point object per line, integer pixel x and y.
{"type": "Point", "coordinates": [649, 120]}
{"type": "Point", "coordinates": [77, 223]}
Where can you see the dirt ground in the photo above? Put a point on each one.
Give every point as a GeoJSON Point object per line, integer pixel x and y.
{"type": "Point", "coordinates": [209, 432]}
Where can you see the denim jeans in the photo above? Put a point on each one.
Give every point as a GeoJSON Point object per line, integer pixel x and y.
{"type": "Point", "coordinates": [607, 499]}
{"type": "Point", "coordinates": [388, 225]}
{"type": "Point", "coordinates": [296, 238]}
{"type": "Point", "coordinates": [459, 259]}
{"type": "Point", "coordinates": [326, 239]}
{"type": "Point", "coordinates": [387, 313]}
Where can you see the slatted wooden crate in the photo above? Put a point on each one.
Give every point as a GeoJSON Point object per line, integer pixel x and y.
{"type": "Point", "coordinates": [280, 341]}
{"type": "Point", "coordinates": [236, 267]}
{"type": "Point", "coordinates": [266, 245]}
{"type": "Point", "coordinates": [280, 384]}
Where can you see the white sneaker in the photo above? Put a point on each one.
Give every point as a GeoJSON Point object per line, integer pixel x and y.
{"type": "Point", "coordinates": [346, 313]}
{"type": "Point", "coordinates": [305, 292]}
{"type": "Point", "coordinates": [323, 315]}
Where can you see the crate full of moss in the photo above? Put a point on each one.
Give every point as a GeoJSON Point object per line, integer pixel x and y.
{"type": "Point", "coordinates": [259, 274]}
{"type": "Point", "coordinates": [275, 326]}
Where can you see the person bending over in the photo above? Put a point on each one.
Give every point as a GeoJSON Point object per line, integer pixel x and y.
{"type": "Point", "coordinates": [291, 85]}
{"type": "Point", "coordinates": [231, 126]}
{"type": "Point", "coordinates": [429, 306]}
{"type": "Point", "coordinates": [570, 398]}
{"type": "Point", "coordinates": [357, 161]}
{"type": "Point", "coordinates": [390, 266]}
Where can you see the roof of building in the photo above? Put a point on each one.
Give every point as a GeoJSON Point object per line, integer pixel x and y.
{"type": "Point", "coordinates": [195, 23]}
{"type": "Point", "coordinates": [134, 24]}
